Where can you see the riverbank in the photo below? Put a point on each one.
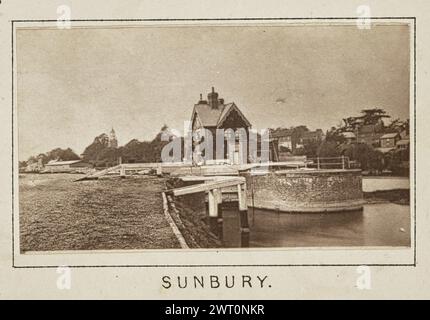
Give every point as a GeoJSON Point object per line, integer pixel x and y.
{"type": "Point", "coordinates": [386, 189]}
{"type": "Point", "coordinates": [190, 215]}
{"type": "Point", "coordinates": [397, 196]}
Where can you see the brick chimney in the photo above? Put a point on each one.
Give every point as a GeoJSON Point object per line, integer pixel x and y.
{"type": "Point", "coordinates": [213, 99]}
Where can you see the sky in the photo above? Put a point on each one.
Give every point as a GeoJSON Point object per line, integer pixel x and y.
{"type": "Point", "coordinates": [74, 84]}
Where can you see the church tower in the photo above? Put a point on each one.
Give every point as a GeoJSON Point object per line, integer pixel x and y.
{"type": "Point", "coordinates": [113, 142]}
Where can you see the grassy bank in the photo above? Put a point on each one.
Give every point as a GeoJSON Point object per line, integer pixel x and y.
{"type": "Point", "coordinates": [59, 214]}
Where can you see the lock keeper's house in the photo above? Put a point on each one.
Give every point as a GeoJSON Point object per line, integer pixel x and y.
{"type": "Point", "coordinates": [213, 114]}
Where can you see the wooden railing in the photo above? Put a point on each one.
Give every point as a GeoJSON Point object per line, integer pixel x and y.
{"type": "Point", "coordinates": [341, 162]}
{"type": "Point", "coordinates": [213, 187]}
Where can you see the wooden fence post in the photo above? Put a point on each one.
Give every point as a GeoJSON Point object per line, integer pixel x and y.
{"type": "Point", "coordinates": [159, 170]}
{"type": "Point", "coordinates": [213, 204]}
{"type": "Point", "coordinates": [243, 215]}
{"type": "Point", "coordinates": [122, 171]}
{"type": "Point", "coordinates": [241, 195]}
{"type": "Point", "coordinates": [213, 211]}
{"type": "Point", "coordinates": [218, 197]}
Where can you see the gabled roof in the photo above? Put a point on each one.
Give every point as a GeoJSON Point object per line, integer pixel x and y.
{"type": "Point", "coordinates": [214, 117]}
{"type": "Point", "coordinates": [208, 116]}
{"type": "Point", "coordinates": [389, 135]}
{"type": "Point", "coordinates": [227, 110]}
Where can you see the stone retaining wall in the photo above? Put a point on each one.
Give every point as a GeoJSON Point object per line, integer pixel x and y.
{"type": "Point", "coordinates": [306, 190]}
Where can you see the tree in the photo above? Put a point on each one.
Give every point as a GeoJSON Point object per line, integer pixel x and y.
{"type": "Point", "coordinates": [351, 124]}
{"type": "Point", "coordinates": [108, 156]}
{"type": "Point", "coordinates": [65, 154]}
{"type": "Point", "coordinates": [55, 154]}
{"type": "Point", "coordinates": [368, 117]}
{"type": "Point", "coordinates": [91, 153]}
{"type": "Point", "coordinates": [373, 116]}
{"type": "Point", "coordinates": [298, 132]}
{"type": "Point", "coordinates": [333, 135]}
{"type": "Point", "coordinates": [368, 158]}
{"type": "Point", "coordinates": [136, 150]}
{"type": "Point", "coordinates": [328, 149]}
{"type": "Point", "coordinates": [398, 125]}
{"type": "Point", "coordinates": [157, 144]}
{"type": "Point", "coordinates": [309, 149]}
{"type": "Point", "coordinates": [397, 161]}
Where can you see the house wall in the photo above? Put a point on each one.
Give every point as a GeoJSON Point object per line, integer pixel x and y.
{"type": "Point", "coordinates": [306, 191]}
{"type": "Point", "coordinates": [81, 167]}
{"type": "Point", "coordinates": [388, 143]}
{"type": "Point", "coordinates": [402, 146]}
{"type": "Point", "coordinates": [369, 138]}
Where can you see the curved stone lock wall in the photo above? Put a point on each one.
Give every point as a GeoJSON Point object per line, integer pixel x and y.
{"type": "Point", "coordinates": [306, 190]}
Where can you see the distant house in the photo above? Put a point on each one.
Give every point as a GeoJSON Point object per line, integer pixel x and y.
{"type": "Point", "coordinates": [403, 144]}
{"type": "Point", "coordinates": [370, 135]}
{"type": "Point", "coordinates": [282, 143]}
{"type": "Point", "coordinates": [33, 166]}
{"type": "Point", "coordinates": [389, 140]}
{"type": "Point", "coordinates": [214, 114]}
{"type": "Point", "coordinates": [291, 139]}
{"type": "Point", "coordinates": [285, 139]}
{"type": "Point", "coordinates": [312, 137]}
{"type": "Point", "coordinates": [55, 166]}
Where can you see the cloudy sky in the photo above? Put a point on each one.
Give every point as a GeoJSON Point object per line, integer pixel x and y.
{"type": "Point", "coordinates": [75, 84]}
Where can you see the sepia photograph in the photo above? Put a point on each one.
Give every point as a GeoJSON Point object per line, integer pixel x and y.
{"type": "Point", "coordinates": [214, 136]}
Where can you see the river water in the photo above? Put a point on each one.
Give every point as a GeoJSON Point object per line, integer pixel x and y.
{"type": "Point", "coordinates": [384, 224]}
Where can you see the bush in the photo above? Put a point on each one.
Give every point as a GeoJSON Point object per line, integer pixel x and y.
{"type": "Point", "coordinates": [369, 158]}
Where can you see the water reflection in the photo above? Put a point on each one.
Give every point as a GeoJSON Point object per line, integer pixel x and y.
{"type": "Point", "coordinates": [377, 225]}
